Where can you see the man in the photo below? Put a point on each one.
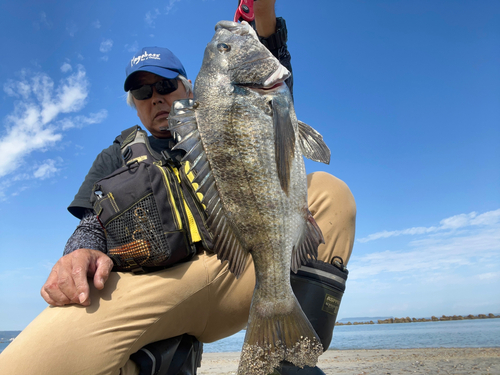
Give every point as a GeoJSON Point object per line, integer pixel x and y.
{"type": "Point", "coordinates": [94, 327]}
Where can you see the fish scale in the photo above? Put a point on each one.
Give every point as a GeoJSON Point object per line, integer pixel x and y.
{"type": "Point", "coordinates": [242, 126]}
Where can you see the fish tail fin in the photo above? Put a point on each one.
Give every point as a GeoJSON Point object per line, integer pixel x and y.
{"type": "Point", "coordinates": [273, 337]}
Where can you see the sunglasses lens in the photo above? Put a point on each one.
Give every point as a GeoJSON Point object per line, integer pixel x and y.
{"type": "Point", "coordinates": [163, 87]}
{"type": "Point", "coordinates": [143, 92]}
{"type": "Point", "coordinates": [166, 86]}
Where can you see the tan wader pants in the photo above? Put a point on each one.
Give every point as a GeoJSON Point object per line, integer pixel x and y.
{"type": "Point", "coordinates": [200, 297]}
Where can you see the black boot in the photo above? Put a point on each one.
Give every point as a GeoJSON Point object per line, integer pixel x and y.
{"type": "Point", "coordinates": [319, 288]}
{"type": "Point", "coordinates": [179, 355]}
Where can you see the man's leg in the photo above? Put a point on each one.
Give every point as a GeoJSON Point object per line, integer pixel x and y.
{"type": "Point", "coordinates": [129, 313]}
{"type": "Point", "coordinates": [334, 209]}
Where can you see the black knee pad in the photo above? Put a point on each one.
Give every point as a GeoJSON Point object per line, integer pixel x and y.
{"type": "Point", "coordinates": [319, 288]}
{"type": "Point", "coordinates": [180, 355]}
{"type": "Point", "coordinates": [289, 369]}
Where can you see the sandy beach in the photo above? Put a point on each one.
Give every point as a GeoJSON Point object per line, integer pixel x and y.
{"type": "Point", "coordinates": [382, 362]}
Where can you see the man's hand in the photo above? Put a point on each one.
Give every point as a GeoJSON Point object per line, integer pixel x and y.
{"type": "Point", "coordinates": [265, 18]}
{"type": "Point", "coordinates": [67, 282]}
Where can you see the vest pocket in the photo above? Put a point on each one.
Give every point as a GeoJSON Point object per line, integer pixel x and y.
{"type": "Point", "coordinates": [139, 213]}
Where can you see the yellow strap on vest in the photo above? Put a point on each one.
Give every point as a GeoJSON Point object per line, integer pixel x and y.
{"type": "Point", "coordinates": [193, 228]}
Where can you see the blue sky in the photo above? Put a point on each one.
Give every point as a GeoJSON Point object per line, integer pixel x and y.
{"type": "Point", "coordinates": [405, 93]}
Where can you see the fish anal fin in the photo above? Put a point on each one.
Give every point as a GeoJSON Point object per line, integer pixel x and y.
{"type": "Point", "coordinates": [227, 247]}
{"type": "Point", "coordinates": [284, 139]}
{"type": "Point", "coordinates": [307, 246]}
{"type": "Point", "coordinates": [312, 144]}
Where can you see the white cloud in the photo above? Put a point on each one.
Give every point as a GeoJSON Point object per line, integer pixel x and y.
{"type": "Point", "coordinates": [106, 45]}
{"type": "Point", "coordinates": [17, 89]}
{"type": "Point", "coordinates": [81, 121]}
{"type": "Point", "coordinates": [450, 224]}
{"type": "Point", "coordinates": [96, 24]}
{"type": "Point", "coordinates": [71, 28]}
{"type": "Point", "coordinates": [488, 218]}
{"type": "Point", "coordinates": [489, 276]}
{"type": "Point", "coordinates": [65, 68]}
{"type": "Point", "coordinates": [134, 47]}
{"type": "Point", "coordinates": [46, 169]}
{"type": "Point", "coordinates": [42, 21]}
{"type": "Point", "coordinates": [151, 16]}
{"type": "Point", "coordinates": [32, 126]}
{"type": "Point", "coordinates": [170, 5]}
{"type": "Point", "coordinates": [474, 247]}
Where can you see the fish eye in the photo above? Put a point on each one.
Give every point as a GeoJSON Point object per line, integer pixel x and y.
{"type": "Point", "coordinates": [223, 47]}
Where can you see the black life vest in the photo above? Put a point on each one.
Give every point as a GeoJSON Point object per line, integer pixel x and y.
{"type": "Point", "coordinates": [148, 208]}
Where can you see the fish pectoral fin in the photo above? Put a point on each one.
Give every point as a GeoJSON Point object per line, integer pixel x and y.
{"type": "Point", "coordinates": [312, 144]}
{"type": "Point", "coordinates": [307, 246]}
{"type": "Point", "coordinates": [284, 139]}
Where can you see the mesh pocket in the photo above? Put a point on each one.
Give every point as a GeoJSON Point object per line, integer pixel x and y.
{"type": "Point", "coordinates": [135, 238]}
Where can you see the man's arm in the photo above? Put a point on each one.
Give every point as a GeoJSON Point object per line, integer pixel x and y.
{"type": "Point", "coordinates": [108, 161]}
{"type": "Point", "coordinates": [273, 34]}
{"type": "Point", "coordinates": [84, 253]}
{"type": "Point", "coordinates": [89, 234]}
{"type": "Point", "coordinates": [265, 17]}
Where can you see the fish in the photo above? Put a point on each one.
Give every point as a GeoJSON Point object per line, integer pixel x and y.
{"type": "Point", "coordinates": [244, 149]}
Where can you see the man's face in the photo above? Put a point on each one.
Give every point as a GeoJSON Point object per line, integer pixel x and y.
{"type": "Point", "coordinates": [154, 112]}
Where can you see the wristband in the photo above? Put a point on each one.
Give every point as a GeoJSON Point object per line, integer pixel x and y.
{"type": "Point", "coordinates": [279, 38]}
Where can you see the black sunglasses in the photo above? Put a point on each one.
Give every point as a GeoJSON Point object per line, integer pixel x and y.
{"type": "Point", "coordinates": [163, 87]}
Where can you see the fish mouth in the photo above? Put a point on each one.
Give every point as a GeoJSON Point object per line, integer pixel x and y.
{"type": "Point", "coordinates": [277, 77]}
{"type": "Point", "coordinates": [274, 87]}
{"type": "Point", "coordinates": [273, 82]}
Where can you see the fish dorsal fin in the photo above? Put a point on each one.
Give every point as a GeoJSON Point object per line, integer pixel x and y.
{"type": "Point", "coordinates": [284, 139]}
{"type": "Point", "coordinates": [183, 125]}
{"type": "Point", "coordinates": [307, 245]}
{"type": "Point", "coordinates": [312, 144]}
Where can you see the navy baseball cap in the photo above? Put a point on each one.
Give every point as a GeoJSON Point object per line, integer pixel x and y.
{"type": "Point", "coordinates": [157, 60]}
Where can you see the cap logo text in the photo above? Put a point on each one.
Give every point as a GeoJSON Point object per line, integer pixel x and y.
{"type": "Point", "coordinates": [145, 56]}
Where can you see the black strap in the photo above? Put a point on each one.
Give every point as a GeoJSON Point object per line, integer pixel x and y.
{"type": "Point", "coordinates": [127, 136]}
{"type": "Point", "coordinates": [180, 355]}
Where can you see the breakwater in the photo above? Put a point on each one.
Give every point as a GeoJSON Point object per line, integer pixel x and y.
{"type": "Point", "coordinates": [416, 320]}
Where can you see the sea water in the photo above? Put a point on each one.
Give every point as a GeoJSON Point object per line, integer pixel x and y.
{"type": "Point", "coordinates": [443, 334]}
{"type": "Point", "coordinates": [476, 333]}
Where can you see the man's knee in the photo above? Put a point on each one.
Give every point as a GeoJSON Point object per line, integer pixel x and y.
{"type": "Point", "coordinates": [329, 192]}
{"type": "Point", "coordinates": [334, 209]}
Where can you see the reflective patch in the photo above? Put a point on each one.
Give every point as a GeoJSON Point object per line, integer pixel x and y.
{"type": "Point", "coordinates": [137, 159]}
{"type": "Point", "coordinates": [190, 176]}
{"type": "Point", "coordinates": [331, 305]}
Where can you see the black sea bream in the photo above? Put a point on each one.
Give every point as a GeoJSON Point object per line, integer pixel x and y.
{"type": "Point", "coordinates": [245, 147]}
